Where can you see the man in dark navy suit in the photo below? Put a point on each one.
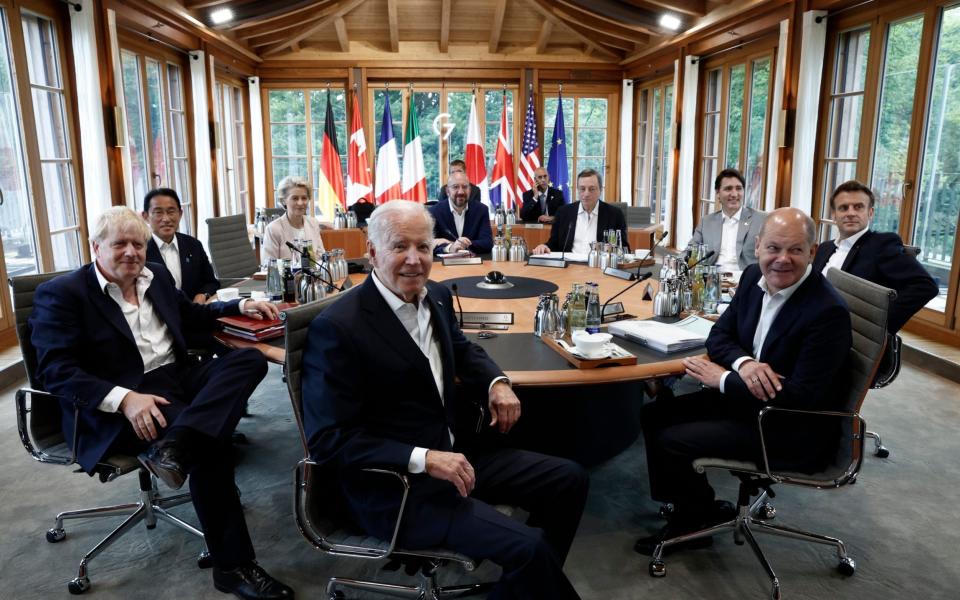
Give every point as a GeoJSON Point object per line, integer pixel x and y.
{"type": "Point", "coordinates": [183, 255]}
{"type": "Point", "coordinates": [379, 390]}
{"type": "Point", "coordinates": [460, 224]}
{"type": "Point", "coordinates": [876, 256]}
{"type": "Point", "coordinates": [542, 202]}
{"type": "Point", "coordinates": [576, 225]}
{"type": "Point", "coordinates": [110, 341]}
{"type": "Point", "coordinates": [783, 342]}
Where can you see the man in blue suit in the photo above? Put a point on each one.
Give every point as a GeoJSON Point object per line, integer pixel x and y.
{"type": "Point", "coordinates": [182, 254]}
{"type": "Point", "coordinates": [379, 390]}
{"type": "Point", "coordinates": [782, 342]}
{"type": "Point", "coordinates": [110, 341]}
{"type": "Point", "coordinates": [459, 224]}
{"type": "Point", "coordinates": [876, 256]}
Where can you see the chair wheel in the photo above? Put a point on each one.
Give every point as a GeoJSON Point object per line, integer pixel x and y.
{"type": "Point", "coordinates": [882, 452]}
{"type": "Point", "coordinates": [847, 566]}
{"type": "Point", "coordinates": [337, 595]}
{"type": "Point", "coordinates": [56, 535]}
{"type": "Point", "coordinates": [657, 568]}
{"type": "Point", "coordinates": [204, 560]}
{"type": "Point", "coordinates": [79, 585]}
{"type": "Point", "coordinates": [666, 511]}
{"type": "Point", "coordinates": [767, 511]}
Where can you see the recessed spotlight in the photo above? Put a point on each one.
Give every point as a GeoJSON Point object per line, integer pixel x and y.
{"type": "Point", "coordinates": [222, 15]}
{"type": "Point", "coordinates": [670, 22]}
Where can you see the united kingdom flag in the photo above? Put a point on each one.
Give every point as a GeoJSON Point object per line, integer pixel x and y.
{"type": "Point", "coordinates": [529, 151]}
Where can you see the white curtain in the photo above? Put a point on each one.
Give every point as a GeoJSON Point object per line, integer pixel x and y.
{"type": "Point", "coordinates": [256, 144]}
{"type": "Point", "coordinates": [122, 137]}
{"type": "Point", "coordinates": [776, 118]}
{"type": "Point", "coordinates": [812, 48]}
{"type": "Point", "coordinates": [671, 157]}
{"type": "Point", "coordinates": [199, 69]}
{"type": "Point", "coordinates": [626, 141]}
{"type": "Point", "coordinates": [688, 137]}
{"type": "Point", "coordinates": [93, 141]}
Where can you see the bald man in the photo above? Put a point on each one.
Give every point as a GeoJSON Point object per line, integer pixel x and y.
{"type": "Point", "coordinates": [541, 202]}
{"type": "Point", "coordinates": [782, 342]}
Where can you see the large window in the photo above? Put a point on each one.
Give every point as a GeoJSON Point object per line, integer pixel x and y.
{"type": "Point", "coordinates": [232, 149]}
{"type": "Point", "coordinates": [891, 92]}
{"type": "Point", "coordinates": [586, 128]}
{"type": "Point", "coordinates": [735, 115]}
{"type": "Point", "coordinates": [654, 144]}
{"type": "Point", "coordinates": [296, 125]}
{"type": "Point", "coordinates": [156, 120]}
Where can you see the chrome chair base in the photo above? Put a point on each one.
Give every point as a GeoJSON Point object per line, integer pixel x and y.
{"type": "Point", "coordinates": [878, 448]}
{"type": "Point", "coordinates": [752, 519]}
{"type": "Point", "coordinates": [427, 589]}
{"type": "Point", "coordinates": [150, 507]}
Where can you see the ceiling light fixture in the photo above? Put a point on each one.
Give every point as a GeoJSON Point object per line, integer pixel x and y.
{"type": "Point", "coordinates": [222, 15]}
{"type": "Point", "coordinates": [670, 22]}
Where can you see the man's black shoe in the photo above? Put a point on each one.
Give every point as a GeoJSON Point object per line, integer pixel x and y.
{"type": "Point", "coordinates": [165, 461]}
{"type": "Point", "coordinates": [684, 522]}
{"type": "Point", "coordinates": [250, 582]}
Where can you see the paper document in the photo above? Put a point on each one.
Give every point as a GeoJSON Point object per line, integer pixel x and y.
{"type": "Point", "coordinates": [567, 256]}
{"type": "Point", "coordinates": [663, 337]}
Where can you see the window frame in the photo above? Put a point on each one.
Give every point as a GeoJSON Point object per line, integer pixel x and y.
{"type": "Point", "coordinates": [643, 164]}
{"type": "Point", "coordinates": [227, 132]}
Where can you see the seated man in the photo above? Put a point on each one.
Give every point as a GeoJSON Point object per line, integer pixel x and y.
{"type": "Point", "coordinates": [784, 342]}
{"type": "Point", "coordinates": [874, 255]}
{"type": "Point", "coordinates": [458, 166]}
{"type": "Point", "coordinates": [183, 255]}
{"type": "Point", "coordinates": [459, 224]}
{"type": "Point", "coordinates": [576, 225]}
{"type": "Point", "coordinates": [541, 203]}
{"type": "Point", "coordinates": [732, 231]}
{"type": "Point", "coordinates": [378, 391]}
{"type": "Point", "coordinates": [110, 340]}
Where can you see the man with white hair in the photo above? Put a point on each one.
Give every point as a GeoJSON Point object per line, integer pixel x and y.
{"type": "Point", "coordinates": [110, 341]}
{"type": "Point", "coordinates": [378, 391]}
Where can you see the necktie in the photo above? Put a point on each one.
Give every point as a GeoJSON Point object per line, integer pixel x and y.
{"type": "Point", "coordinates": [543, 203]}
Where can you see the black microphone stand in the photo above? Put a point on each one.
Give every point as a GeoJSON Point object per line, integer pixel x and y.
{"type": "Point", "coordinates": [603, 309]}
{"type": "Point", "coordinates": [456, 292]}
{"type": "Point", "coordinates": [329, 282]}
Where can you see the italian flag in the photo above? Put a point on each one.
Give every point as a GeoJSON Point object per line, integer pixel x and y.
{"type": "Point", "coordinates": [414, 174]}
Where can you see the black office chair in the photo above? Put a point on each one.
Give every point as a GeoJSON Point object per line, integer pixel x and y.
{"type": "Point", "coordinates": [315, 499]}
{"type": "Point", "coordinates": [39, 422]}
{"type": "Point", "coordinates": [869, 304]}
{"type": "Point", "coordinates": [233, 258]}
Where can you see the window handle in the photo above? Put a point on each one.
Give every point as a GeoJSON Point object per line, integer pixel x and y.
{"type": "Point", "coordinates": [1, 196]}
{"type": "Point", "coordinates": [906, 185]}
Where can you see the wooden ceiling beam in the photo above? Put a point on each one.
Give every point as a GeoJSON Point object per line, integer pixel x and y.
{"type": "Point", "coordinates": [544, 9]}
{"type": "Point", "coordinates": [694, 8]}
{"type": "Point", "coordinates": [574, 14]}
{"type": "Point", "coordinates": [261, 26]}
{"type": "Point", "coordinates": [341, 26]}
{"type": "Point", "coordinates": [544, 38]}
{"type": "Point", "coordinates": [340, 9]}
{"type": "Point", "coordinates": [497, 28]}
{"type": "Point", "coordinates": [445, 26]}
{"type": "Point", "coordinates": [195, 4]}
{"type": "Point", "coordinates": [394, 26]}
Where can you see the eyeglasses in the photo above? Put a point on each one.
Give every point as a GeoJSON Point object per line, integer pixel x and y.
{"type": "Point", "coordinates": [159, 212]}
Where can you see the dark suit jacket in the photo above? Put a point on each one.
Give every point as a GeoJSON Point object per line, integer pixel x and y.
{"type": "Point", "coordinates": [608, 217]}
{"type": "Point", "coordinates": [196, 274]}
{"type": "Point", "coordinates": [369, 397]}
{"type": "Point", "coordinates": [474, 194]}
{"type": "Point", "coordinates": [879, 257]}
{"type": "Point", "coordinates": [530, 210]}
{"type": "Point", "coordinates": [85, 347]}
{"type": "Point", "coordinates": [476, 225]}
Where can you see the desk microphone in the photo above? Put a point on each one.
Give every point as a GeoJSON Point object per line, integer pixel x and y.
{"type": "Point", "coordinates": [706, 256]}
{"type": "Point", "coordinates": [663, 236]}
{"type": "Point", "coordinates": [328, 282]}
{"type": "Point", "coordinates": [563, 249]}
{"type": "Point", "coordinates": [456, 292]}
{"type": "Point", "coordinates": [643, 277]}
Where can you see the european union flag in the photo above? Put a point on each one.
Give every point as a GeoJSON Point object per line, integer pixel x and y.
{"type": "Point", "coordinates": [557, 164]}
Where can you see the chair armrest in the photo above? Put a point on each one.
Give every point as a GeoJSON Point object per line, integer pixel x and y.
{"type": "Point", "coordinates": [25, 399]}
{"type": "Point", "coordinates": [403, 481]}
{"type": "Point", "coordinates": [821, 413]}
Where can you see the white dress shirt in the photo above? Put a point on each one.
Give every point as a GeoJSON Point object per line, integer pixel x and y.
{"type": "Point", "coordinates": [586, 230]}
{"type": "Point", "coordinates": [153, 338]}
{"type": "Point", "coordinates": [770, 307]}
{"type": "Point", "coordinates": [458, 219]}
{"type": "Point", "coordinates": [843, 249]}
{"type": "Point", "coordinates": [170, 252]}
{"type": "Point", "coordinates": [727, 259]}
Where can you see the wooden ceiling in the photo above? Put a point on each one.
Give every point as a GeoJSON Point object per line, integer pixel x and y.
{"type": "Point", "coordinates": [548, 30]}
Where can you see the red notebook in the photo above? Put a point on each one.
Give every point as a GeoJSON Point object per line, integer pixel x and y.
{"type": "Point", "coordinates": [254, 326]}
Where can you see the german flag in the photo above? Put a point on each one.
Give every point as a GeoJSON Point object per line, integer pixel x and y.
{"type": "Point", "coordinates": [330, 179]}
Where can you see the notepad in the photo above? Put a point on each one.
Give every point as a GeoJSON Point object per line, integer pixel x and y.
{"type": "Point", "coordinates": [690, 333]}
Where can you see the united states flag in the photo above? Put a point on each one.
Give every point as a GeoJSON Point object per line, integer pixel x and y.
{"type": "Point", "coordinates": [529, 152]}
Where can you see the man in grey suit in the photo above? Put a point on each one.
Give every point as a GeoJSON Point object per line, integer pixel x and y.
{"type": "Point", "coordinates": [732, 230]}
